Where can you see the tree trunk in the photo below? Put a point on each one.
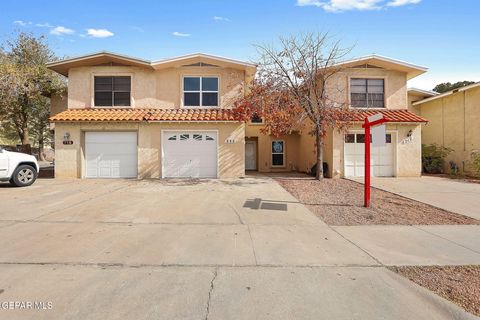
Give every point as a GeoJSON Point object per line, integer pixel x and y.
{"type": "Point", "coordinates": [319, 145]}
{"type": "Point", "coordinates": [41, 155]}
{"type": "Point", "coordinates": [25, 139]}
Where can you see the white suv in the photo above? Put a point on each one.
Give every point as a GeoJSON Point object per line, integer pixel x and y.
{"type": "Point", "coordinates": [19, 168]}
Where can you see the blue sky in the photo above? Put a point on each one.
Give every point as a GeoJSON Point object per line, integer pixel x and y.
{"type": "Point", "coordinates": [440, 34]}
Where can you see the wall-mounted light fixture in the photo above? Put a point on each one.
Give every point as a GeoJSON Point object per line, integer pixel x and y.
{"type": "Point", "coordinates": [66, 139]}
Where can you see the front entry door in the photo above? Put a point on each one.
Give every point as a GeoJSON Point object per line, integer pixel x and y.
{"type": "Point", "coordinates": [250, 155]}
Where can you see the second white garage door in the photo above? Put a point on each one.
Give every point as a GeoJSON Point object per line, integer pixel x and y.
{"type": "Point", "coordinates": [111, 154]}
{"type": "Point", "coordinates": [382, 158]}
{"type": "Point", "coordinates": [189, 154]}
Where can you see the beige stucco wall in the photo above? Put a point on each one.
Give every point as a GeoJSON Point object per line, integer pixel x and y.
{"type": "Point", "coordinates": [411, 98]}
{"type": "Point", "coordinates": [300, 151]}
{"type": "Point", "coordinates": [395, 85]}
{"type": "Point", "coordinates": [69, 159]}
{"type": "Point", "coordinates": [454, 123]}
{"type": "Point", "coordinates": [303, 144]}
{"type": "Point", "coordinates": [264, 147]}
{"type": "Point", "coordinates": [152, 88]}
{"type": "Point", "coordinates": [407, 151]}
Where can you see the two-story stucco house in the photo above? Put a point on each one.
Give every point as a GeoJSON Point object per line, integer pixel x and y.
{"type": "Point", "coordinates": [126, 118]}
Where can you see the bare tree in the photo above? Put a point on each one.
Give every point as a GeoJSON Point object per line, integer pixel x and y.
{"type": "Point", "coordinates": [296, 82]}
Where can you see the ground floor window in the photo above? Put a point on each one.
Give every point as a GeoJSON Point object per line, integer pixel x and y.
{"type": "Point", "coordinates": [278, 153]}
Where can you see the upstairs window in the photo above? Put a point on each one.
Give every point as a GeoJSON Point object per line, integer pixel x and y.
{"type": "Point", "coordinates": [367, 93]}
{"type": "Point", "coordinates": [112, 91]}
{"type": "Point", "coordinates": [256, 119]}
{"type": "Point", "coordinates": [200, 92]}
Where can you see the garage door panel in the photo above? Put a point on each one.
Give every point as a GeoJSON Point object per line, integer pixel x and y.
{"type": "Point", "coordinates": [349, 161]}
{"type": "Point", "coordinates": [360, 171]}
{"type": "Point", "coordinates": [194, 156]}
{"type": "Point", "coordinates": [96, 151]}
{"type": "Point", "coordinates": [111, 154]}
{"type": "Point", "coordinates": [350, 171]}
{"type": "Point", "coordinates": [386, 160]}
{"type": "Point", "coordinates": [386, 171]}
{"type": "Point", "coordinates": [110, 137]}
{"type": "Point", "coordinates": [359, 159]}
{"type": "Point", "coordinates": [381, 159]}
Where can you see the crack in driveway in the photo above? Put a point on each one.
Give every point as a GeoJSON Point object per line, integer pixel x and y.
{"type": "Point", "coordinates": [207, 308]}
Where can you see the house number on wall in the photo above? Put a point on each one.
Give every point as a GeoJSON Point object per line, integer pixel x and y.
{"type": "Point", "coordinates": [66, 139]}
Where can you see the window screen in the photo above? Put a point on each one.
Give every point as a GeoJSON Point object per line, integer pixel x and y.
{"type": "Point", "coordinates": [112, 91]}
{"type": "Point", "coordinates": [367, 93]}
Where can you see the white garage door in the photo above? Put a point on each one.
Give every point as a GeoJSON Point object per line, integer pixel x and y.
{"type": "Point", "coordinates": [381, 159]}
{"type": "Point", "coordinates": [111, 154]}
{"type": "Point", "coordinates": [189, 154]}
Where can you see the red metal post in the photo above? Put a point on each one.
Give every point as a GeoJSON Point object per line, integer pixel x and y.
{"type": "Point", "coordinates": [367, 164]}
{"type": "Point", "coordinates": [367, 125]}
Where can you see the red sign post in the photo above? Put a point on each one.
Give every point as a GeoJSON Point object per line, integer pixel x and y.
{"type": "Point", "coordinates": [369, 122]}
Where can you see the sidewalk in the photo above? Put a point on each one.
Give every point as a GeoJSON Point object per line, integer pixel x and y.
{"type": "Point", "coordinates": [455, 196]}
{"type": "Point", "coordinates": [417, 245]}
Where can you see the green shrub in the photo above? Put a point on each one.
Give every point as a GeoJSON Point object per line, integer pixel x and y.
{"type": "Point", "coordinates": [433, 158]}
{"type": "Point", "coordinates": [476, 161]}
{"type": "Point", "coordinates": [454, 169]}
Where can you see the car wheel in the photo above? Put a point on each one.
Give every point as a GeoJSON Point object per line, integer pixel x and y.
{"type": "Point", "coordinates": [24, 176]}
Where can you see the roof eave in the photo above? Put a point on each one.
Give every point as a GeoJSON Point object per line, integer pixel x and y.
{"type": "Point", "coordinates": [170, 61]}
{"type": "Point", "coordinates": [410, 69]}
{"type": "Point", "coordinates": [63, 66]}
{"type": "Point", "coordinates": [474, 85]}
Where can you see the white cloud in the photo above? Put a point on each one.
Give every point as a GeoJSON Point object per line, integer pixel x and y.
{"type": "Point", "coordinates": [217, 18]}
{"type": "Point", "coordinates": [21, 22]}
{"type": "Point", "coordinates": [99, 33]}
{"type": "Point", "coordinates": [345, 5]}
{"type": "Point", "coordinates": [180, 34]}
{"type": "Point", "coordinates": [44, 25]}
{"type": "Point", "coordinates": [398, 3]}
{"type": "Point", "coordinates": [60, 30]}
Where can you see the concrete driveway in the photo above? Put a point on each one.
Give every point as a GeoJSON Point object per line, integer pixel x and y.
{"type": "Point", "coordinates": [452, 195]}
{"type": "Point", "coordinates": [222, 249]}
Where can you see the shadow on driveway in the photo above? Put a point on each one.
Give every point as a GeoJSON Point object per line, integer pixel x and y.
{"type": "Point", "coordinates": [258, 203]}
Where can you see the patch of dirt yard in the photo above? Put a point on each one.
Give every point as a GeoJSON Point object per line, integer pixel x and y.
{"type": "Point", "coordinates": [340, 202]}
{"type": "Point", "coordinates": [459, 284]}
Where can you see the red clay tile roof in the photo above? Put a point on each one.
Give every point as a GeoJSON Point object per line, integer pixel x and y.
{"type": "Point", "coordinates": [109, 114]}
{"type": "Point", "coordinates": [393, 115]}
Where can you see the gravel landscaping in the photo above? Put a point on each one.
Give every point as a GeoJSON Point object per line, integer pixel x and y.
{"type": "Point", "coordinates": [340, 202]}
{"type": "Point", "coordinates": [459, 284]}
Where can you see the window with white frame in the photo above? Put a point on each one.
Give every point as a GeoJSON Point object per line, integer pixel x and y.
{"type": "Point", "coordinates": [200, 91]}
{"type": "Point", "coordinates": [367, 93]}
{"type": "Point", "coordinates": [278, 153]}
{"type": "Point", "coordinates": [112, 91]}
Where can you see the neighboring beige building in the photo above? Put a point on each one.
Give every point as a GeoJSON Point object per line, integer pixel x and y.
{"type": "Point", "coordinates": [127, 117]}
{"type": "Point", "coordinates": [454, 119]}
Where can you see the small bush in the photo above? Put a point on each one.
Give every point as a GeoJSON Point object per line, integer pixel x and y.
{"type": "Point", "coordinates": [454, 169]}
{"type": "Point", "coordinates": [476, 161]}
{"type": "Point", "coordinates": [433, 158]}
